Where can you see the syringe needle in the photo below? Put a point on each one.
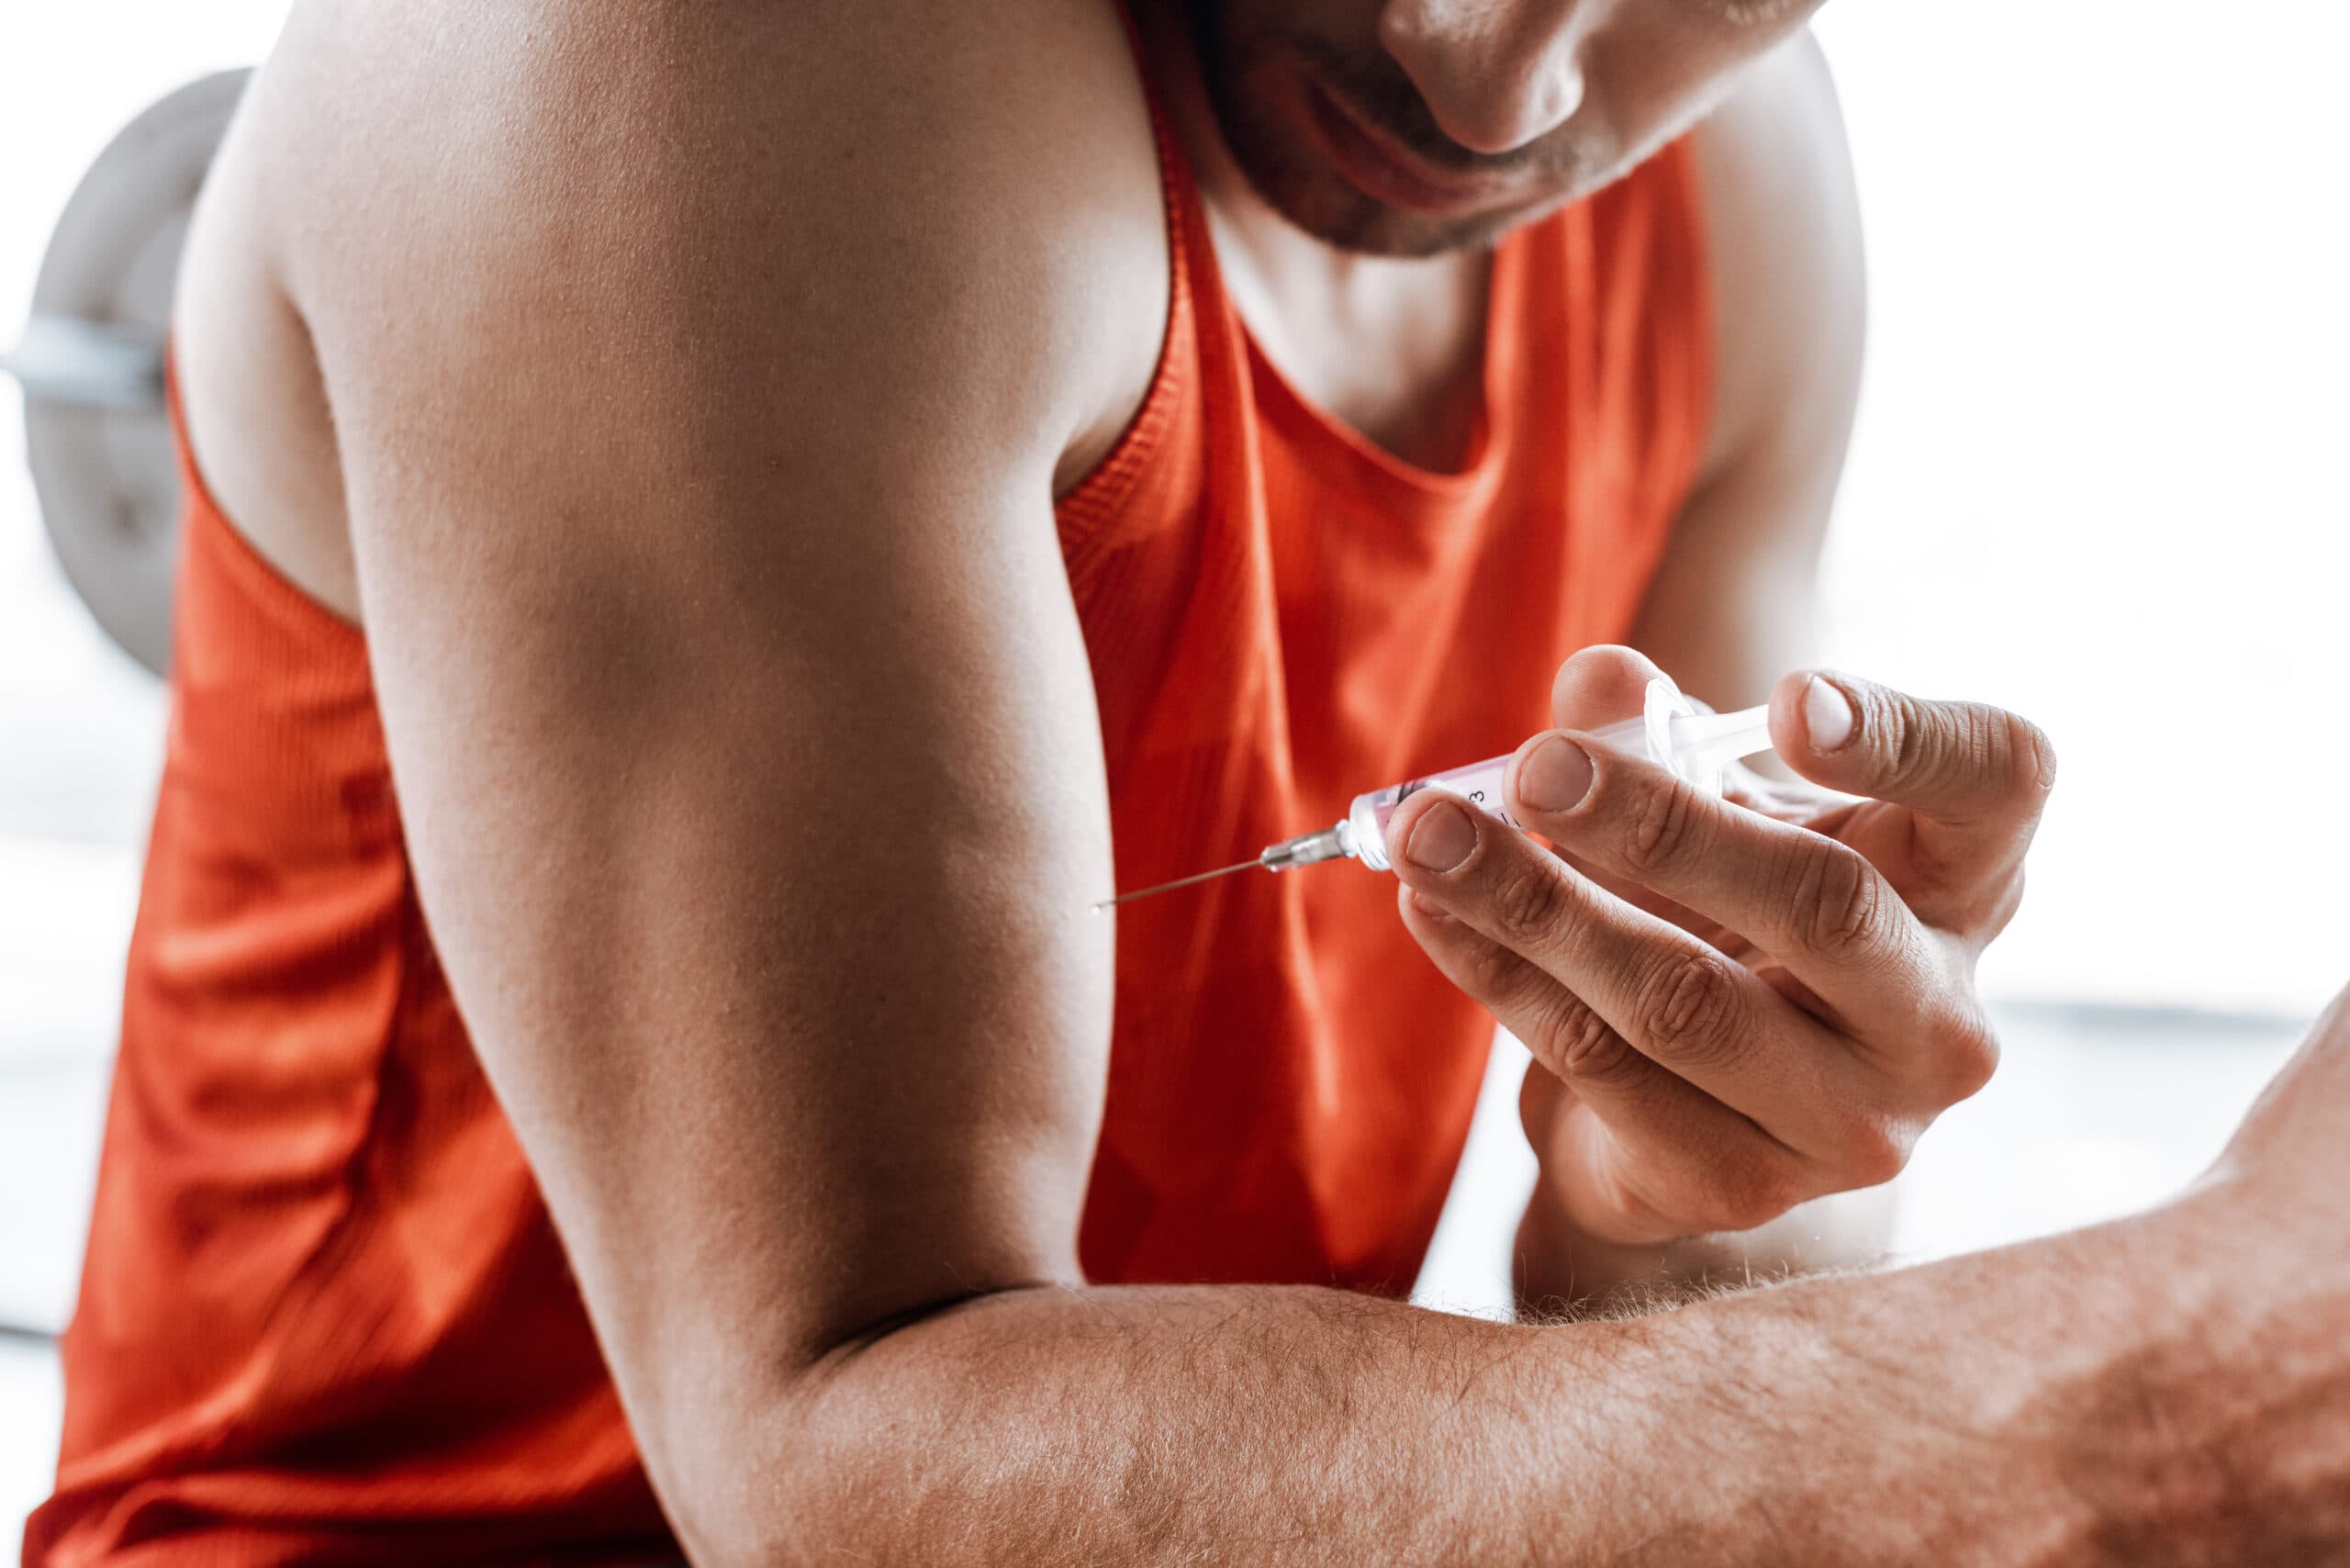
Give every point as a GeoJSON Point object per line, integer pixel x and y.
{"type": "Point", "coordinates": [1170, 887]}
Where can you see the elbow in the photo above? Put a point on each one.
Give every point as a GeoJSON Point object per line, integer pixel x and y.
{"type": "Point", "coordinates": [768, 1481]}
{"type": "Point", "coordinates": [781, 1470]}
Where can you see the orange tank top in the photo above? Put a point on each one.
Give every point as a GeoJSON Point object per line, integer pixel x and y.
{"type": "Point", "coordinates": [324, 1317]}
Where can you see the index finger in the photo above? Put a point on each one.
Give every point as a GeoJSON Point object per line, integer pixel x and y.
{"type": "Point", "coordinates": [1816, 905]}
{"type": "Point", "coordinates": [1976, 776]}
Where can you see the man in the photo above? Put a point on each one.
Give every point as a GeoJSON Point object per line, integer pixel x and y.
{"type": "Point", "coordinates": [791, 479]}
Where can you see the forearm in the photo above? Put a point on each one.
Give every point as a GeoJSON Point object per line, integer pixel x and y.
{"type": "Point", "coordinates": [2054, 1402]}
{"type": "Point", "coordinates": [1202, 1424]}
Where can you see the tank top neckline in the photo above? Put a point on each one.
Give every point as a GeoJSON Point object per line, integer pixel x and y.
{"type": "Point", "coordinates": [1199, 309]}
{"type": "Point", "coordinates": [1490, 444]}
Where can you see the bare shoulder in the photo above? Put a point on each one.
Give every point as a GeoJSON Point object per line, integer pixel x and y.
{"type": "Point", "coordinates": [912, 159]}
{"type": "Point", "coordinates": [1789, 284]}
{"type": "Point", "coordinates": [952, 206]}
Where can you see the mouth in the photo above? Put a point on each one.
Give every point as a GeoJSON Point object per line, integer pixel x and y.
{"type": "Point", "coordinates": [1386, 171]}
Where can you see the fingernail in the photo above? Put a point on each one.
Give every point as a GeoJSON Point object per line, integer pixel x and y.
{"type": "Point", "coordinates": [1442, 838]}
{"type": "Point", "coordinates": [1826, 715]}
{"type": "Point", "coordinates": [1554, 776]}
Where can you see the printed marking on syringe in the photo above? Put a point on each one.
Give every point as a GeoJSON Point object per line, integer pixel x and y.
{"type": "Point", "coordinates": [1499, 810]}
{"type": "Point", "coordinates": [1474, 797]}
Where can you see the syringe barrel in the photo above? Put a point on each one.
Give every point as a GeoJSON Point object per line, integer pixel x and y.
{"type": "Point", "coordinates": [1480, 783]}
{"type": "Point", "coordinates": [1698, 754]}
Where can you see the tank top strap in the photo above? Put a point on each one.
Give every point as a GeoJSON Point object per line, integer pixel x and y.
{"type": "Point", "coordinates": [1192, 349]}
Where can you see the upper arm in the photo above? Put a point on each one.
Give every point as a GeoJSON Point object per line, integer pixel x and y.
{"type": "Point", "coordinates": [699, 422]}
{"type": "Point", "coordinates": [1729, 610]}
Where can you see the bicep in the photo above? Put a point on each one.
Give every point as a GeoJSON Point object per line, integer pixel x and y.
{"type": "Point", "coordinates": [1730, 608]}
{"type": "Point", "coordinates": [744, 738]}
{"type": "Point", "coordinates": [751, 853]}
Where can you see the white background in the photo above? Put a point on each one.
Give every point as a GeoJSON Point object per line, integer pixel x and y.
{"type": "Point", "coordinates": [2098, 478]}
{"type": "Point", "coordinates": [2099, 474]}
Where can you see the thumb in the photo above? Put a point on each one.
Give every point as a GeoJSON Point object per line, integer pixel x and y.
{"type": "Point", "coordinates": [1971, 770]}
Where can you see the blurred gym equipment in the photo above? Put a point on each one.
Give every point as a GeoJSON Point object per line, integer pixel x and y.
{"type": "Point", "coordinates": [91, 363]}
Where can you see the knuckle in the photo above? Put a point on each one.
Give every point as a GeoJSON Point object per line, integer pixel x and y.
{"type": "Point", "coordinates": [1840, 902]}
{"type": "Point", "coordinates": [1529, 899]}
{"type": "Point", "coordinates": [1492, 973]}
{"type": "Point", "coordinates": [1965, 751]}
{"type": "Point", "coordinates": [1688, 1009]}
{"type": "Point", "coordinates": [1904, 743]}
{"type": "Point", "coordinates": [1663, 829]}
{"type": "Point", "coordinates": [1998, 757]}
{"type": "Point", "coordinates": [1961, 747]}
{"type": "Point", "coordinates": [1933, 748]}
{"type": "Point", "coordinates": [1581, 1046]}
{"type": "Point", "coordinates": [1965, 1053]}
{"type": "Point", "coordinates": [1872, 1151]}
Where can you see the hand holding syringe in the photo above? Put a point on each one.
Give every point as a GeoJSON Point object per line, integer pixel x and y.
{"type": "Point", "coordinates": [1734, 1005]}
{"type": "Point", "coordinates": [1671, 730]}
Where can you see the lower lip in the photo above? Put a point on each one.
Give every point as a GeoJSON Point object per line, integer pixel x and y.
{"type": "Point", "coordinates": [1379, 175]}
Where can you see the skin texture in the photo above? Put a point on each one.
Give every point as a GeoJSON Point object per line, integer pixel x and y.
{"type": "Point", "coordinates": [685, 399]}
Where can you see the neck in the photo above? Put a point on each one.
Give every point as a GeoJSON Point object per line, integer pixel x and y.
{"type": "Point", "coordinates": [1394, 348]}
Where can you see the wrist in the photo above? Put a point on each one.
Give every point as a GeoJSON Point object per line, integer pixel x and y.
{"type": "Point", "coordinates": [2219, 1432]}
{"type": "Point", "coordinates": [2138, 1394]}
{"type": "Point", "coordinates": [2071, 1399]}
{"type": "Point", "coordinates": [2161, 1399]}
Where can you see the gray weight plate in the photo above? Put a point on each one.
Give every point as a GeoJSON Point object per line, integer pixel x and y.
{"type": "Point", "coordinates": [106, 476]}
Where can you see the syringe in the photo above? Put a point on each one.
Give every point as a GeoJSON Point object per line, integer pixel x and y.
{"type": "Point", "coordinates": [1670, 731]}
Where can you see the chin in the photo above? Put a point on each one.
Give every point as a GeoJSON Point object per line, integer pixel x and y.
{"type": "Point", "coordinates": [1290, 176]}
{"type": "Point", "coordinates": [1343, 217]}
{"type": "Point", "coordinates": [1258, 101]}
